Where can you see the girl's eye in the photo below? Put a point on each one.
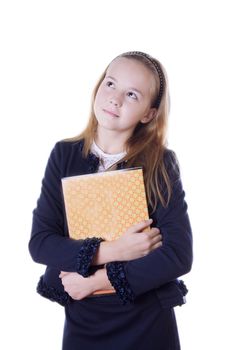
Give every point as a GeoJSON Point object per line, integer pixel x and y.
{"type": "Point", "coordinates": [132, 95]}
{"type": "Point", "coordinates": [109, 84]}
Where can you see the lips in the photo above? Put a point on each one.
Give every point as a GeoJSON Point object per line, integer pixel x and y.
{"type": "Point", "coordinates": [110, 113]}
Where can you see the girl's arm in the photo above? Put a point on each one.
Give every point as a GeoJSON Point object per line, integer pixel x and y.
{"type": "Point", "coordinates": [79, 287]}
{"type": "Point", "coordinates": [131, 245]}
{"type": "Point", "coordinates": [49, 245]}
{"type": "Point", "coordinates": [172, 260]}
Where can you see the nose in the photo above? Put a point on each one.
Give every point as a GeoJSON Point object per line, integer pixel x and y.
{"type": "Point", "coordinates": [115, 100]}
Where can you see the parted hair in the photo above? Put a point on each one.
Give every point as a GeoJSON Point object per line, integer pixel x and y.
{"type": "Point", "coordinates": [147, 145]}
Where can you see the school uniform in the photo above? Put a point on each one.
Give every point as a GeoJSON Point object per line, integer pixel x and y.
{"type": "Point", "coordinates": [140, 315]}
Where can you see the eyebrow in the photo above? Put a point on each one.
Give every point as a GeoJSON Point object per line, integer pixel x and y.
{"type": "Point", "coordinates": [131, 88]}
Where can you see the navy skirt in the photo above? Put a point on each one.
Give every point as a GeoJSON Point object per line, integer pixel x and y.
{"type": "Point", "coordinates": [102, 322]}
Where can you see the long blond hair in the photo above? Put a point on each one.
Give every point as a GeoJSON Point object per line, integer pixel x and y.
{"type": "Point", "coordinates": [147, 144]}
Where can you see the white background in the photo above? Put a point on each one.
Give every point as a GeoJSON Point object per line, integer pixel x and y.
{"type": "Point", "coordinates": [52, 53]}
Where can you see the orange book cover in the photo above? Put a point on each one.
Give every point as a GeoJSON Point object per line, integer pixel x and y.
{"type": "Point", "coordinates": [104, 204]}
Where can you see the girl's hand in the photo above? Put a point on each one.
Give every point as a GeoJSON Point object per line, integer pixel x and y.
{"type": "Point", "coordinates": [76, 285]}
{"type": "Point", "coordinates": [79, 287]}
{"type": "Point", "coordinates": [134, 243]}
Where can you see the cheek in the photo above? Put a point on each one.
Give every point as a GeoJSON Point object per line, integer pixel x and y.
{"type": "Point", "coordinates": [99, 102]}
{"type": "Point", "coordinates": [97, 99]}
{"type": "Point", "coordinates": [99, 96]}
{"type": "Point", "coordinates": [135, 110]}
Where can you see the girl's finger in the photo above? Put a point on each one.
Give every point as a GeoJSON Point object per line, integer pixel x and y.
{"type": "Point", "coordinates": [62, 274]}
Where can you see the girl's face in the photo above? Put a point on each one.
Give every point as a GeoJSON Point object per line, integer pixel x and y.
{"type": "Point", "coordinates": [124, 96]}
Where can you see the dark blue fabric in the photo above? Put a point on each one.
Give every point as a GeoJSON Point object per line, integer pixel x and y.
{"type": "Point", "coordinates": [151, 280]}
{"type": "Point", "coordinates": [104, 323]}
{"type": "Point", "coordinates": [117, 277]}
{"type": "Point", "coordinates": [86, 254]}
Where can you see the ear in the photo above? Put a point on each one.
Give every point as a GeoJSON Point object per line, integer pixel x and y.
{"type": "Point", "coordinates": [149, 116]}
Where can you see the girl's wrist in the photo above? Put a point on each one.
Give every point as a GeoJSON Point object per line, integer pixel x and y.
{"type": "Point", "coordinates": [100, 281]}
{"type": "Point", "coordinates": [108, 251]}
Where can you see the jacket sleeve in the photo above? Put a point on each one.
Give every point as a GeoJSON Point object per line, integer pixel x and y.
{"type": "Point", "coordinates": [165, 264]}
{"type": "Point", "coordinates": [49, 243]}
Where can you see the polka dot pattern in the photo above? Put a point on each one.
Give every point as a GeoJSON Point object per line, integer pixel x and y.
{"type": "Point", "coordinates": [104, 204]}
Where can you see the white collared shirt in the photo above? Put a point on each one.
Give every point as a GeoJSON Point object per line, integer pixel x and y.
{"type": "Point", "coordinates": [106, 159]}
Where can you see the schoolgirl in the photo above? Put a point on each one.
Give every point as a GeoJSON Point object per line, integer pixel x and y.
{"type": "Point", "coordinates": [127, 128]}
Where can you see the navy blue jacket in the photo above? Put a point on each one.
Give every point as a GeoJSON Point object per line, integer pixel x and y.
{"type": "Point", "coordinates": [50, 245]}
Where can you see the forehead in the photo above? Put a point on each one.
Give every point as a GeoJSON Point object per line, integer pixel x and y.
{"type": "Point", "coordinates": [132, 73]}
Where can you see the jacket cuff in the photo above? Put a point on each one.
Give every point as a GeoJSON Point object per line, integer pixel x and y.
{"type": "Point", "coordinates": [172, 294]}
{"type": "Point", "coordinates": [52, 293]}
{"type": "Point", "coordinates": [117, 277]}
{"type": "Point", "coordinates": [86, 255]}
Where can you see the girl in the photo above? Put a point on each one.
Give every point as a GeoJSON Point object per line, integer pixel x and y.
{"type": "Point", "coordinates": [127, 128]}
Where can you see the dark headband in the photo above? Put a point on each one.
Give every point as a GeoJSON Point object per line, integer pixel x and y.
{"type": "Point", "coordinates": [159, 71]}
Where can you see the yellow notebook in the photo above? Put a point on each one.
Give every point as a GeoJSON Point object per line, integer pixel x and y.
{"type": "Point", "coordinates": [104, 204]}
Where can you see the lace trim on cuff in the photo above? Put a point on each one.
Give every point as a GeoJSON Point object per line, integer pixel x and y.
{"type": "Point", "coordinates": [86, 254]}
{"type": "Point", "coordinates": [52, 293]}
{"type": "Point", "coordinates": [117, 277]}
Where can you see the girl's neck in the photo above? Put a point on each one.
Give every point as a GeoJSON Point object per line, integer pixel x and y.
{"type": "Point", "coordinates": [110, 142]}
